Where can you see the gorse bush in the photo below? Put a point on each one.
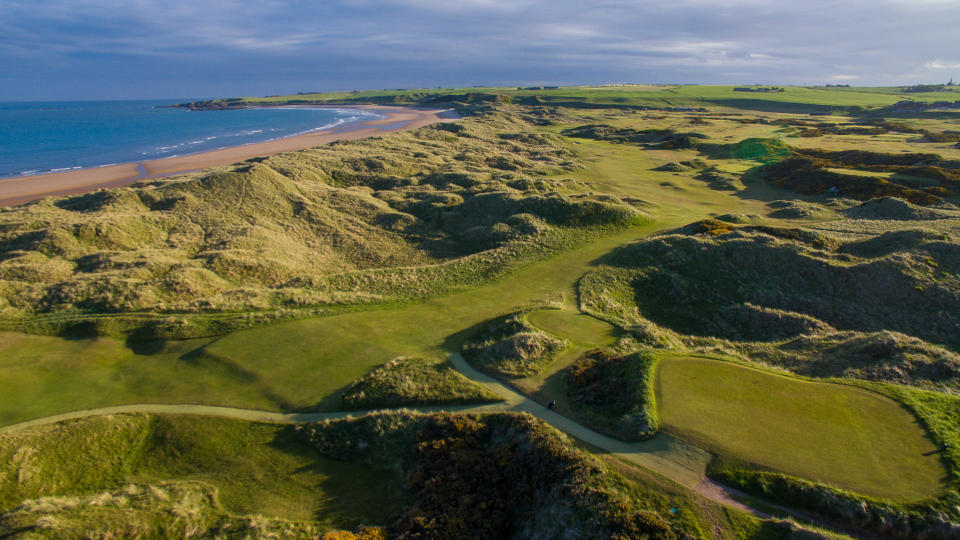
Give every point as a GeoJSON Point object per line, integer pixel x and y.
{"type": "Point", "coordinates": [492, 476]}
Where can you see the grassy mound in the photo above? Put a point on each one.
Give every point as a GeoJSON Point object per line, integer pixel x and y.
{"type": "Point", "coordinates": [343, 223]}
{"type": "Point", "coordinates": [763, 283]}
{"type": "Point", "coordinates": [245, 469]}
{"type": "Point", "coordinates": [891, 208]}
{"type": "Point", "coordinates": [413, 381]}
{"type": "Point", "coordinates": [167, 510]}
{"type": "Point", "coordinates": [798, 210]}
{"type": "Point", "coordinates": [612, 391]}
{"type": "Point", "coordinates": [877, 356]}
{"type": "Point", "coordinates": [510, 347]}
{"type": "Point", "coordinates": [666, 139]}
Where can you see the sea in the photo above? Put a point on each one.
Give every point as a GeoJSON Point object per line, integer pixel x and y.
{"type": "Point", "coordinates": [45, 137]}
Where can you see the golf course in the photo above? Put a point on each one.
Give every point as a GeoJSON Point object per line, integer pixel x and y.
{"type": "Point", "coordinates": [617, 297]}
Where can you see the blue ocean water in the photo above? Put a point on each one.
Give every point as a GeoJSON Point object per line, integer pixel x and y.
{"type": "Point", "coordinates": [45, 137]}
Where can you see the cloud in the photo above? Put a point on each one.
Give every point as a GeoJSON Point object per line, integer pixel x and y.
{"type": "Point", "coordinates": [229, 47]}
{"type": "Point", "coordinates": [940, 64]}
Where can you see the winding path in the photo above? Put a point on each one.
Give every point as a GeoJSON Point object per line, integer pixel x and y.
{"type": "Point", "coordinates": [661, 457]}
{"type": "Point", "coordinates": [669, 457]}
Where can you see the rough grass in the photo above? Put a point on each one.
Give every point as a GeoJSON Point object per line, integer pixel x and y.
{"type": "Point", "coordinates": [765, 283]}
{"type": "Point", "coordinates": [438, 207]}
{"type": "Point", "coordinates": [414, 381]}
{"type": "Point", "coordinates": [252, 468]}
{"type": "Point", "coordinates": [164, 510]}
{"type": "Point", "coordinates": [510, 347]}
{"type": "Point", "coordinates": [612, 391]}
{"type": "Point", "coordinates": [878, 356]}
{"type": "Point", "coordinates": [824, 432]}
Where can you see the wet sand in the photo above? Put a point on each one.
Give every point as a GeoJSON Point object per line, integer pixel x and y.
{"type": "Point", "coordinates": [22, 189]}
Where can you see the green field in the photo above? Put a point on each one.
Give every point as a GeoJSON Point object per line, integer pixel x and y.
{"type": "Point", "coordinates": [792, 99]}
{"type": "Point", "coordinates": [582, 330]}
{"type": "Point", "coordinates": [842, 435]}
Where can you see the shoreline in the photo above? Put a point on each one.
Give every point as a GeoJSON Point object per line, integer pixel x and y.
{"type": "Point", "coordinates": [18, 190]}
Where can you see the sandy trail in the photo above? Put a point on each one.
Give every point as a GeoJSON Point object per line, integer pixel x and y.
{"type": "Point", "coordinates": [23, 189]}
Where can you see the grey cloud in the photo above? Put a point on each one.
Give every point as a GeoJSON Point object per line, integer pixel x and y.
{"type": "Point", "coordinates": [227, 47]}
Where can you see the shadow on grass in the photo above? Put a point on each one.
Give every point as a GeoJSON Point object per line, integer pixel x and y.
{"type": "Point", "coordinates": [454, 342]}
{"type": "Point", "coordinates": [357, 494]}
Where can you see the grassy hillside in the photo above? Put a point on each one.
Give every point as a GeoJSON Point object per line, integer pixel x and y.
{"type": "Point", "coordinates": [510, 347]}
{"type": "Point", "coordinates": [358, 222]}
{"type": "Point", "coordinates": [758, 283]}
{"type": "Point", "coordinates": [217, 467]}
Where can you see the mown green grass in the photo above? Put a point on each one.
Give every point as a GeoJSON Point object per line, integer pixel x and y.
{"type": "Point", "coordinates": [581, 329]}
{"type": "Point", "coordinates": [256, 468]}
{"type": "Point", "coordinates": [845, 436]}
{"type": "Point", "coordinates": [41, 375]}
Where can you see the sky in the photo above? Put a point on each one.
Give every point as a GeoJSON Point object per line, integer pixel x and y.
{"type": "Point", "coordinates": [150, 49]}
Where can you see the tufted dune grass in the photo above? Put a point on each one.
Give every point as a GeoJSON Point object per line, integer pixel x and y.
{"type": "Point", "coordinates": [827, 432]}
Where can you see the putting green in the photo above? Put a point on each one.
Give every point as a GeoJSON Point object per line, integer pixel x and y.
{"type": "Point", "coordinates": [841, 435]}
{"type": "Point", "coordinates": [581, 329]}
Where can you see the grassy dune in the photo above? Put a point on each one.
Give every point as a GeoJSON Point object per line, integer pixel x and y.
{"type": "Point", "coordinates": [399, 217]}
{"type": "Point", "coordinates": [830, 433]}
{"type": "Point", "coordinates": [253, 469]}
{"type": "Point", "coordinates": [413, 381]}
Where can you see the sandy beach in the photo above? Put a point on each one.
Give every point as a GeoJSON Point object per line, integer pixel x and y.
{"type": "Point", "coordinates": [22, 189]}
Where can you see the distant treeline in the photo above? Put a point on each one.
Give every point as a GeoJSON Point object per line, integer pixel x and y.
{"type": "Point", "coordinates": [758, 89]}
